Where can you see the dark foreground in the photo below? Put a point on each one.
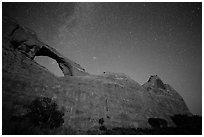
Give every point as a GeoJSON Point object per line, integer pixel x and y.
{"type": "Point", "coordinates": [185, 125]}
{"type": "Point", "coordinates": [115, 131]}
{"type": "Point", "coordinates": [44, 117]}
{"type": "Point", "coordinates": [161, 131]}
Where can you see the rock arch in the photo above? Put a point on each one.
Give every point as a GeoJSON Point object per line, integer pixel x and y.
{"type": "Point", "coordinates": [65, 67]}
{"type": "Point", "coordinates": [27, 42]}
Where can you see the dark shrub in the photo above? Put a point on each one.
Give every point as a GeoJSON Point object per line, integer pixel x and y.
{"type": "Point", "coordinates": [192, 124]}
{"type": "Point", "coordinates": [184, 120]}
{"type": "Point", "coordinates": [157, 122]}
{"type": "Point", "coordinates": [101, 121]}
{"type": "Point", "coordinates": [180, 120]}
{"type": "Point", "coordinates": [44, 113]}
{"type": "Point", "coordinates": [102, 127]}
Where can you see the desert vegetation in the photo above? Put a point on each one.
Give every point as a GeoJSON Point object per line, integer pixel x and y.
{"type": "Point", "coordinates": [44, 117]}
{"type": "Point", "coordinates": [185, 125]}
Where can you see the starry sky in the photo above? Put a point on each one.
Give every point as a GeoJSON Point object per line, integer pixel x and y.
{"type": "Point", "coordinates": [138, 39]}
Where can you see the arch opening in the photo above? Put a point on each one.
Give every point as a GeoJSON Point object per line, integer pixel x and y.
{"type": "Point", "coordinates": [62, 64]}
{"type": "Point", "coordinates": [50, 64]}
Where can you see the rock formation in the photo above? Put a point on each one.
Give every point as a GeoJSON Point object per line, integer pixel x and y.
{"type": "Point", "coordinates": [165, 96]}
{"type": "Point", "coordinates": [80, 100]}
{"type": "Point", "coordinates": [26, 41]}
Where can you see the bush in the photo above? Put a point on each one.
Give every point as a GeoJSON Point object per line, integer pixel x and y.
{"type": "Point", "coordinates": [101, 121]}
{"type": "Point", "coordinates": [44, 113]}
{"type": "Point", "coordinates": [191, 123]}
{"type": "Point", "coordinates": [157, 122]}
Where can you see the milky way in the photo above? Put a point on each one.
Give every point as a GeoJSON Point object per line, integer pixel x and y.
{"type": "Point", "coordinates": [138, 39]}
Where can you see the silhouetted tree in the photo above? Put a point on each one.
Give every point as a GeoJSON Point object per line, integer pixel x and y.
{"type": "Point", "coordinates": [44, 113]}
{"type": "Point", "coordinates": [157, 122]}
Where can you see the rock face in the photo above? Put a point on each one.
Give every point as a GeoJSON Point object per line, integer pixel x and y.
{"type": "Point", "coordinates": [83, 100]}
{"type": "Point", "coordinates": [166, 97]}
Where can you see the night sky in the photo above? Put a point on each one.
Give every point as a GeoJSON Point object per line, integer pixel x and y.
{"type": "Point", "coordinates": [138, 39]}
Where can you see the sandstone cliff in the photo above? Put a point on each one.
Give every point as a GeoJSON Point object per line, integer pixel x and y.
{"type": "Point", "coordinates": [84, 99]}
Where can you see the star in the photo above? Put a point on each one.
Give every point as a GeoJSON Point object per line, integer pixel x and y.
{"type": "Point", "coordinates": [94, 58]}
